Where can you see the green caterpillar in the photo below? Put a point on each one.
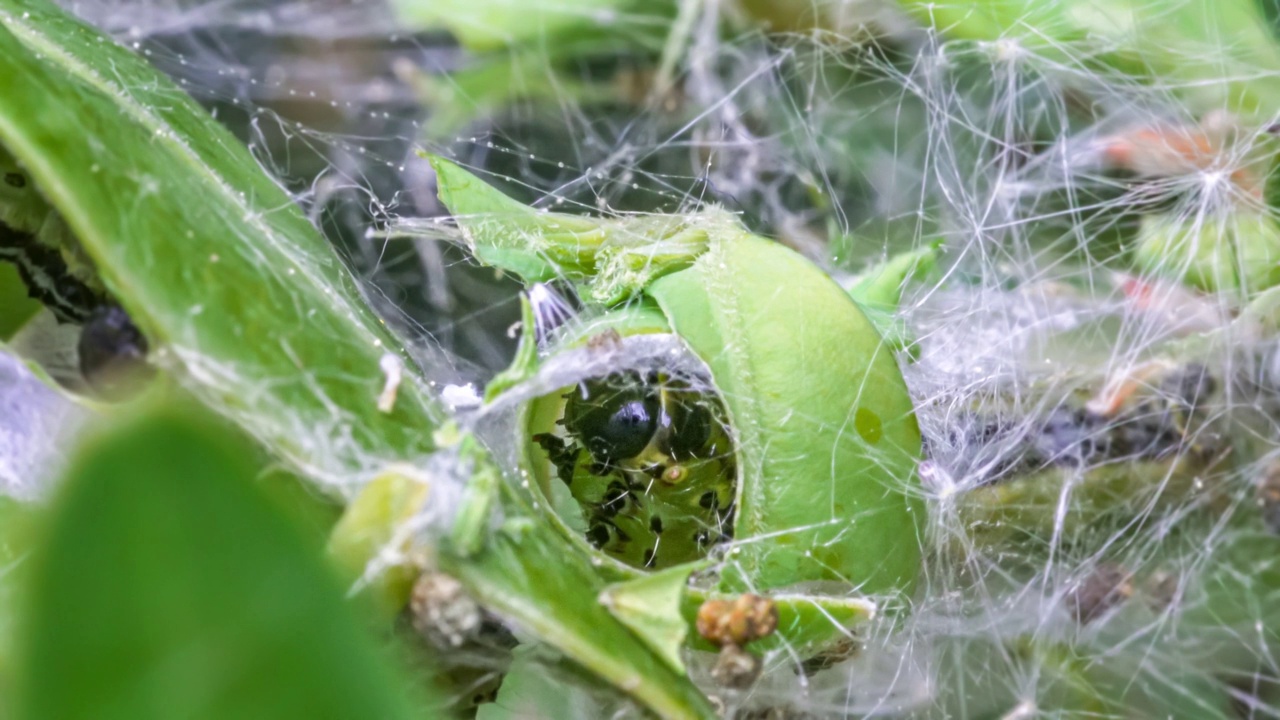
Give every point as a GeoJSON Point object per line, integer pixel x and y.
{"type": "Point", "coordinates": [34, 238]}
{"type": "Point", "coordinates": [56, 272]}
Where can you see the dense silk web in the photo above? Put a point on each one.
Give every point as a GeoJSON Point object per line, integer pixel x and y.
{"type": "Point", "coordinates": [1101, 469]}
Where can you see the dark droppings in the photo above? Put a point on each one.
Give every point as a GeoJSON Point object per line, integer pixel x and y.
{"type": "Point", "coordinates": [598, 535]}
{"type": "Point", "coordinates": [1101, 591]}
{"type": "Point", "coordinates": [1152, 428]}
{"type": "Point", "coordinates": [650, 464]}
{"type": "Point", "coordinates": [1190, 387]}
{"type": "Point", "coordinates": [562, 455]}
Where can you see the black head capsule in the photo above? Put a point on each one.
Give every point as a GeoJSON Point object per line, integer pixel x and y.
{"type": "Point", "coordinates": [113, 352]}
{"type": "Point", "coordinates": [614, 420]}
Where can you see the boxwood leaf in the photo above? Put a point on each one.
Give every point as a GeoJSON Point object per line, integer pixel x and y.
{"type": "Point", "coordinates": [234, 288]}
{"type": "Point", "coordinates": [1238, 55]}
{"type": "Point", "coordinates": [650, 606]}
{"type": "Point", "coordinates": [827, 436]}
{"type": "Point", "coordinates": [167, 585]}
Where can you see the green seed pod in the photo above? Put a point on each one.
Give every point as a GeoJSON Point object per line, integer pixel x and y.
{"type": "Point", "coordinates": [789, 452]}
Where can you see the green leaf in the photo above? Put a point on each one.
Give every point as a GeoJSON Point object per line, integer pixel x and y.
{"type": "Point", "coordinates": [827, 436]}
{"type": "Point", "coordinates": [561, 28]}
{"type": "Point", "coordinates": [539, 686]}
{"type": "Point", "coordinates": [881, 285]}
{"type": "Point", "coordinates": [525, 364]}
{"type": "Point", "coordinates": [532, 576]}
{"type": "Point", "coordinates": [233, 287]}
{"type": "Point", "coordinates": [18, 522]}
{"type": "Point", "coordinates": [505, 233]}
{"type": "Point", "coordinates": [490, 86]}
{"type": "Point", "coordinates": [16, 308]}
{"type": "Point", "coordinates": [168, 585]}
{"type": "Point", "coordinates": [612, 260]}
{"type": "Point", "coordinates": [826, 431]}
{"type": "Point", "coordinates": [878, 291]}
{"type": "Point", "coordinates": [473, 520]}
{"type": "Point", "coordinates": [650, 606]}
{"type": "Point", "coordinates": [371, 524]}
{"type": "Point", "coordinates": [1237, 58]}
{"type": "Point", "coordinates": [1101, 501]}
{"type": "Point", "coordinates": [660, 609]}
{"type": "Point", "coordinates": [1236, 252]}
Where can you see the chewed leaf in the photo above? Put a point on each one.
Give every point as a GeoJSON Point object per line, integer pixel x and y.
{"type": "Point", "coordinates": [231, 284]}
{"type": "Point", "coordinates": [825, 428]}
{"type": "Point", "coordinates": [650, 606]}
{"type": "Point", "coordinates": [826, 432]}
{"type": "Point", "coordinates": [168, 585]}
{"type": "Point", "coordinates": [611, 259]}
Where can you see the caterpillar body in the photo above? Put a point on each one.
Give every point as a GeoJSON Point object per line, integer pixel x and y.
{"type": "Point", "coordinates": [51, 264]}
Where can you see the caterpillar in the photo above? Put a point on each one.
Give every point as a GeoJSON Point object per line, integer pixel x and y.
{"type": "Point", "coordinates": [36, 240]}
{"type": "Point", "coordinates": [47, 277]}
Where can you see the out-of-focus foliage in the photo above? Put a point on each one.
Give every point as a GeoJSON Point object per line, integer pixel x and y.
{"type": "Point", "coordinates": [165, 583]}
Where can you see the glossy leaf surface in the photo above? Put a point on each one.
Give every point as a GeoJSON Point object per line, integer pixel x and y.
{"type": "Point", "coordinates": [826, 432]}
{"type": "Point", "coordinates": [235, 289]}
